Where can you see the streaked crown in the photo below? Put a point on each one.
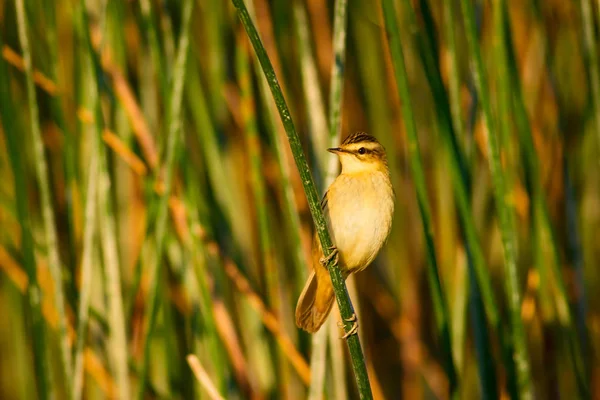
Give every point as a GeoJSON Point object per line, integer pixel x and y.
{"type": "Point", "coordinates": [359, 137]}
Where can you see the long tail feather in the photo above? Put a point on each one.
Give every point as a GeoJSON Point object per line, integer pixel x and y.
{"type": "Point", "coordinates": [315, 302]}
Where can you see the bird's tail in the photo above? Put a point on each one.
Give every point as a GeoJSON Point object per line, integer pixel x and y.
{"type": "Point", "coordinates": [315, 302]}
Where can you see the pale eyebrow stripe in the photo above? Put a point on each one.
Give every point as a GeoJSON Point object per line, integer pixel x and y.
{"type": "Point", "coordinates": [369, 146]}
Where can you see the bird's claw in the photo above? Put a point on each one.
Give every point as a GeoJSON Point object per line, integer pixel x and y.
{"type": "Point", "coordinates": [333, 255]}
{"type": "Point", "coordinates": [352, 330]}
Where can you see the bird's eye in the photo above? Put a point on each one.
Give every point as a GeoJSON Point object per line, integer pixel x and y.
{"type": "Point", "coordinates": [362, 150]}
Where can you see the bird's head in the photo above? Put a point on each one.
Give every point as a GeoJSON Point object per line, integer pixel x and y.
{"type": "Point", "coordinates": [361, 152]}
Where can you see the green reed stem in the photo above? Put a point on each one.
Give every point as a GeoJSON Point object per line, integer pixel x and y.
{"type": "Point", "coordinates": [327, 164]}
{"type": "Point", "coordinates": [462, 276]}
{"type": "Point", "coordinates": [440, 305]}
{"type": "Point", "coordinates": [17, 162]}
{"type": "Point", "coordinates": [41, 168]}
{"type": "Point", "coordinates": [591, 55]}
{"type": "Point", "coordinates": [207, 135]}
{"type": "Point", "coordinates": [481, 339]}
{"type": "Point", "coordinates": [292, 218]}
{"type": "Point", "coordinates": [278, 138]}
{"type": "Point", "coordinates": [197, 250]}
{"type": "Point", "coordinates": [454, 78]}
{"type": "Point", "coordinates": [117, 340]}
{"type": "Point", "coordinates": [117, 345]}
{"type": "Point", "coordinates": [458, 171]}
{"type": "Point", "coordinates": [336, 91]}
{"type": "Point", "coordinates": [315, 109]}
{"type": "Point", "coordinates": [542, 212]}
{"type": "Point", "coordinates": [91, 208]}
{"type": "Point", "coordinates": [250, 128]}
{"type": "Point", "coordinates": [155, 50]}
{"type": "Point", "coordinates": [344, 303]}
{"type": "Point", "coordinates": [428, 55]}
{"type": "Point", "coordinates": [317, 121]}
{"type": "Point", "coordinates": [174, 126]}
{"type": "Point", "coordinates": [70, 170]}
{"type": "Point", "coordinates": [503, 202]}
{"type": "Point", "coordinates": [270, 268]}
{"type": "Point", "coordinates": [462, 187]}
{"type": "Point", "coordinates": [214, 20]}
{"type": "Point", "coordinates": [86, 266]}
{"type": "Point", "coordinates": [331, 168]}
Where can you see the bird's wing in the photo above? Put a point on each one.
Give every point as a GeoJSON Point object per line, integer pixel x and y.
{"type": "Point", "coordinates": [316, 241]}
{"type": "Point", "coordinates": [324, 203]}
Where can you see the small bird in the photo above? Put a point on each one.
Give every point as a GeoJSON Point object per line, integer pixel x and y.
{"type": "Point", "coordinates": [358, 207]}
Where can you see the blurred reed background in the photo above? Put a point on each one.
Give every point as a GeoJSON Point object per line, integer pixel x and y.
{"type": "Point", "coordinates": [150, 208]}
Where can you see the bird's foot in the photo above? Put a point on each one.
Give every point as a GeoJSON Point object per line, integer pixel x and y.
{"type": "Point", "coordinates": [352, 330]}
{"type": "Point", "coordinates": [333, 255]}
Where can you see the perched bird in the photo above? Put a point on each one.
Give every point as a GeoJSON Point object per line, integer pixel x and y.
{"type": "Point", "coordinates": [358, 207]}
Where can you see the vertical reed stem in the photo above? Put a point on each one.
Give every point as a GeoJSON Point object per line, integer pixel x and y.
{"type": "Point", "coordinates": [344, 303]}
{"type": "Point", "coordinates": [504, 204]}
{"type": "Point", "coordinates": [439, 300]}
{"type": "Point", "coordinates": [15, 155]}
{"type": "Point", "coordinates": [174, 137]}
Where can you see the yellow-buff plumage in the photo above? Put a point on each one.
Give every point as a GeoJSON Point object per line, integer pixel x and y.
{"type": "Point", "coordinates": [358, 207]}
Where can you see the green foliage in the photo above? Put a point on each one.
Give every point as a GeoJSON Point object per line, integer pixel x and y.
{"type": "Point", "coordinates": [155, 205]}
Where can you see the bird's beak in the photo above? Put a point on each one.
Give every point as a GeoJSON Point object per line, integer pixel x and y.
{"type": "Point", "coordinates": [335, 150]}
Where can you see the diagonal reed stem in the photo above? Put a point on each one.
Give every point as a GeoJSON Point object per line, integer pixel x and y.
{"type": "Point", "coordinates": [440, 305]}
{"type": "Point", "coordinates": [344, 303]}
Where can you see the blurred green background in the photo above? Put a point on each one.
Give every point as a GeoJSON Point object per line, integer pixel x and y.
{"type": "Point", "coordinates": [150, 208]}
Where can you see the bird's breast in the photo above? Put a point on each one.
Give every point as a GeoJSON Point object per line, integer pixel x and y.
{"type": "Point", "coordinates": [359, 211]}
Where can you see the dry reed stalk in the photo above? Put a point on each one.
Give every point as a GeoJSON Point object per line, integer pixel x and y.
{"type": "Point", "coordinates": [14, 59]}
{"type": "Point", "coordinates": [267, 317]}
{"type": "Point", "coordinates": [202, 377]}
